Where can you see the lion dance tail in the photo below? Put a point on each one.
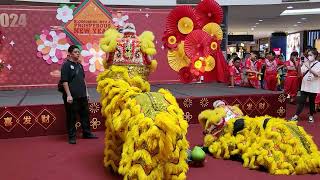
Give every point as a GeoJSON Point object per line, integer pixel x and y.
{"type": "Point", "coordinates": [145, 131]}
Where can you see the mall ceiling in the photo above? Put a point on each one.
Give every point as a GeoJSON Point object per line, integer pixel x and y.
{"type": "Point", "coordinates": [243, 19]}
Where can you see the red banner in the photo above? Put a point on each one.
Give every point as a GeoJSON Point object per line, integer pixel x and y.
{"type": "Point", "coordinates": [33, 44]}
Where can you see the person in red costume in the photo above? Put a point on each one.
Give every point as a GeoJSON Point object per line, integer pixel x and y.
{"type": "Point", "coordinates": [252, 72]}
{"type": "Point", "coordinates": [271, 74]}
{"type": "Point", "coordinates": [235, 71]}
{"type": "Point", "coordinates": [292, 81]}
{"type": "Point", "coordinates": [261, 66]}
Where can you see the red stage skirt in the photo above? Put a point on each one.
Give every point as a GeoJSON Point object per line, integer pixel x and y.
{"type": "Point", "coordinates": [291, 85]}
{"type": "Point", "coordinates": [271, 82]}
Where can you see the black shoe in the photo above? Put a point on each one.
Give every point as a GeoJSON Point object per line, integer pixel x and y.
{"type": "Point", "coordinates": [89, 136]}
{"type": "Point", "coordinates": [72, 141]}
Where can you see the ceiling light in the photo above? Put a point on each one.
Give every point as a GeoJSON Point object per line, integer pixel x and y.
{"type": "Point", "coordinates": [290, 7]}
{"type": "Point", "coordinates": [260, 20]}
{"type": "Point", "coordinates": [257, 23]}
{"type": "Point", "coordinates": [303, 18]}
{"type": "Point", "coordinates": [295, 12]}
{"type": "Point", "coordinates": [299, 22]}
{"type": "Point", "coordinates": [254, 26]}
{"type": "Point", "coordinates": [252, 29]}
{"type": "Point", "coordinates": [295, 25]}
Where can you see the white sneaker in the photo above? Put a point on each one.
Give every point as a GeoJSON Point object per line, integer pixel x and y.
{"type": "Point", "coordinates": [311, 120]}
{"type": "Point", "coordinates": [294, 118]}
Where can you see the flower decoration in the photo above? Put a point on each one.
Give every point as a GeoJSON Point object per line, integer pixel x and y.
{"type": "Point", "coordinates": [185, 75]}
{"type": "Point", "coordinates": [177, 59]}
{"type": "Point", "coordinates": [181, 21]}
{"type": "Point", "coordinates": [52, 46]}
{"type": "Point", "coordinates": [209, 11]}
{"type": "Point", "coordinates": [170, 41]}
{"type": "Point", "coordinates": [214, 46]}
{"type": "Point", "coordinates": [210, 63]}
{"type": "Point", "coordinates": [185, 25]}
{"type": "Point", "coordinates": [213, 30]}
{"type": "Point", "coordinates": [92, 57]}
{"type": "Point", "coordinates": [188, 116]}
{"type": "Point", "coordinates": [95, 123]}
{"type": "Point", "coordinates": [197, 43]}
{"type": "Point", "coordinates": [64, 13]}
{"type": "Point", "coordinates": [193, 37]}
{"type": "Point", "coordinates": [119, 20]}
{"type": "Point", "coordinates": [187, 102]}
{"type": "Point", "coordinates": [198, 65]}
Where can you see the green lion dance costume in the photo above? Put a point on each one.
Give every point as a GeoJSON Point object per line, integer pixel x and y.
{"type": "Point", "coordinates": [145, 131]}
{"type": "Point", "coordinates": [271, 143]}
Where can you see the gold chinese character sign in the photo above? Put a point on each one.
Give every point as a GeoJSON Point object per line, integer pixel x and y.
{"type": "Point", "coordinates": [8, 121]}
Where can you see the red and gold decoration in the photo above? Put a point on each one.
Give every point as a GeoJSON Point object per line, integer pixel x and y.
{"type": "Point", "coordinates": [181, 21]}
{"type": "Point", "coordinates": [209, 11]}
{"type": "Point", "coordinates": [177, 58]}
{"type": "Point", "coordinates": [198, 32]}
{"type": "Point", "coordinates": [50, 118]}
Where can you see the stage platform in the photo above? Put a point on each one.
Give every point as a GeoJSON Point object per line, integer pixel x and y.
{"type": "Point", "coordinates": [40, 111]}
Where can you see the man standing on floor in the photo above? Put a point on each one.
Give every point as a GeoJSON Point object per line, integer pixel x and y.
{"type": "Point", "coordinates": [75, 95]}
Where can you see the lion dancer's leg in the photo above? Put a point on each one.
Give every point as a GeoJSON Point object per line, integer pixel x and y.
{"type": "Point", "coordinates": [177, 167]}
{"type": "Point", "coordinates": [140, 157]}
{"type": "Point", "coordinates": [113, 148]}
{"type": "Point", "coordinates": [110, 91]}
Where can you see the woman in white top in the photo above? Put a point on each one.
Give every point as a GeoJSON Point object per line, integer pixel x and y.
{"type": "Point", "coordinates": [310, 86]}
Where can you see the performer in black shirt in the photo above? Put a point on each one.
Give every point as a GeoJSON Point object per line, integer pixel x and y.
{"type": "Point", "coordinates": [75, 95]}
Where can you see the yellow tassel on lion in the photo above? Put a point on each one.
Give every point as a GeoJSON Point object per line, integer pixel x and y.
{"type": "Point", "coordinates": [145, 131]}
{"type": "Point", "coordinates": [274, 144]}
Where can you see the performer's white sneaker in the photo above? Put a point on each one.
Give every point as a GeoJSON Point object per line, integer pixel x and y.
{"type": "Point", "coordinates": [311, 120]}
{"type": "Point", "coordinates": [294, 118]}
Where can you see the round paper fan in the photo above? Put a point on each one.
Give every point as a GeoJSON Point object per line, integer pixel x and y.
{"type": "Point", "coordinates": [185, 75]}
{"type": "Point", "coordinates": [209, 11]}
{"type": "Point", "coordinates": [197, 43]}
{"type": "Point", "coordinates": [177, 59]}
{"type": "Point", "coordinates": [213, 29]}
{"type": "Point", "coordinates": [210, 63]}
{"type": "Point", "coordinates": [170, 41]}
{"type": "Point", "coordinates": [181, 21]}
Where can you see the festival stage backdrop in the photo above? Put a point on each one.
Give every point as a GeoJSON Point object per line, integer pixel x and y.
{"type": "Point", "coordinates": [33, 42]}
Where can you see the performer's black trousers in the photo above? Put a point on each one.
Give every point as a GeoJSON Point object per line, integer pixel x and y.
{"type": "Point", "coordinates": [302, 100]}
{"type": "Point", "coordinates": [78, 106]}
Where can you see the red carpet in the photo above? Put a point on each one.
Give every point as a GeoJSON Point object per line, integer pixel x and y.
{"type": "Point", "coordinates": [51, 158]}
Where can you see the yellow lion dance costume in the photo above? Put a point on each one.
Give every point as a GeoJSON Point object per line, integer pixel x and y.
{"type": "Point", "coordinates": [274, 144]}
{"type": "Point", "coordinates": [145, 131]}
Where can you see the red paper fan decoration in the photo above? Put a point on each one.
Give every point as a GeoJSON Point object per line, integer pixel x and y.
{"type": "Point", "coordinates": [197, 43]}
{"type": "Point", "coordinates": [177, 14]}
{"type": "Point", "coordinates": [214, 46]}
{"type": "Point", "coordinates": [209, 11]}
{"type": "Point", "coordinates": [170, 41]}
{"type": "Point", "coordinates": [185, 75]}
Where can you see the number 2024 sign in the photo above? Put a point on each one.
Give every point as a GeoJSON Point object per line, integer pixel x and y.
{"type": "Point", "coordinates": [13, 20]}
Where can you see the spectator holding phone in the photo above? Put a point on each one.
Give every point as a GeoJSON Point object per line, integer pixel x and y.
{"type": "Point", "coordinates": [310, 72]}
